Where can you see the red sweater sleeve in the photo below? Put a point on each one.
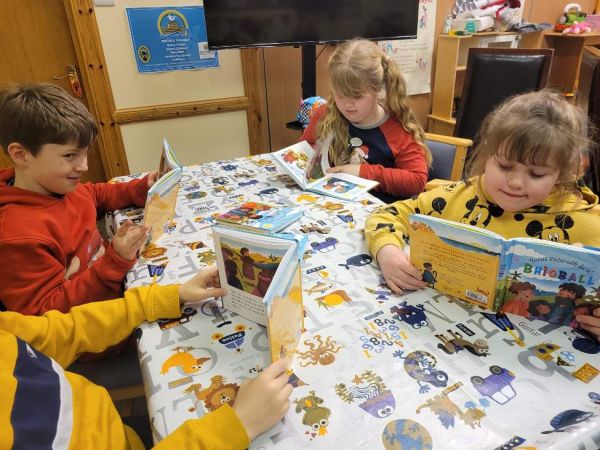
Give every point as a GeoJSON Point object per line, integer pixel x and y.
{"type": "Point", "coordinates": [409, 176]}
{"type": "Point", "coordinates": [111, 196]}
{"type": "Point", "coordinates": [40, 286]}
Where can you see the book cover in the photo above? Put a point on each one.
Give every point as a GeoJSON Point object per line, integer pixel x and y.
{"type": "Point", "coordinates": [308, 168]}
{"type": "Point", "coordinates": [532, 278]}
{"type": "Point", "coordinates": [162, 196]}
{"type": "Point", "coordinates": [259, 217]}
{"type": "Point", "coordinates": [262, 274]}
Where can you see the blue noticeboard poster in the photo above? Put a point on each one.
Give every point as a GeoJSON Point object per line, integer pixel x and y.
{"type": "Point", "coordinates": [170, 38]}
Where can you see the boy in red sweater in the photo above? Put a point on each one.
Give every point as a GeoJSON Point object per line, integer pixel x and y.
{"type": "Point", "coordinates": [52, 254]}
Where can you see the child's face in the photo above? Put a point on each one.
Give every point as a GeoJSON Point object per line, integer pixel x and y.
{"type": "Point", "coordinates": [361, 111]}
{"type": "Point", "coordinates": [56, 169]}
{"type": "Point", "coordinates": [514, 186]}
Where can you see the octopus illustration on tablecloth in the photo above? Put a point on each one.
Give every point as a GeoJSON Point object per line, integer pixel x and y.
{"type": "Point", "coordinates": [319, 352]}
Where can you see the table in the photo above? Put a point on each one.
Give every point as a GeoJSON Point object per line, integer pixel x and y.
{"type": "Point", "coordinates": [374, 369]}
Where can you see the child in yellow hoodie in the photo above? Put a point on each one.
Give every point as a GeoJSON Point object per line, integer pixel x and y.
{"type": "Point", "coordinates": [523, 181]}
{"type": "Point", "coordinates": [42, 406]}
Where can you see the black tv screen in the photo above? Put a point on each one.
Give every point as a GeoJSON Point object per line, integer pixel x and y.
{"type": "Point", "coordinates": [259, 23]}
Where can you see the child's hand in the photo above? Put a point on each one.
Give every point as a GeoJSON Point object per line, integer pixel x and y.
{"type": "Point", "coordinates": [203, 285]}
{"type": "Point", "coordinates": [397, 270]}
{"type": "Point", "coordinates": [350, 169]}
{"type": "Point", "coordinates": [261, 402]}
{"type": "Point", "coordinates": [152, 177]}
{"type": "Point", "coordinates": [128, 240]}
{"type": "Point", "coordinates": [591, 322]}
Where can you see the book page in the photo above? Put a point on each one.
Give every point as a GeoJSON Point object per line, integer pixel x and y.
{"type": "Point", "coordinates": [247, 265]}
{"type": "Point", "coordinates": [454, 265]}
{"type": "Point", "coordinates": [294, 160]}
{"type": "Point", "coordinates": [286, 318]}
{"type": "Point", "coordinates": [342, 185]}
{"type": "Point", "coordinates": [160, 205]}
{"type": "Point", "coordinates": [550, 281]}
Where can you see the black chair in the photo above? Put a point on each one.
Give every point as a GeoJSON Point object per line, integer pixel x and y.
{"type": "Point", "coordinates": [494, 74]}
{"type": "Point", "coordinates": [588, 98]}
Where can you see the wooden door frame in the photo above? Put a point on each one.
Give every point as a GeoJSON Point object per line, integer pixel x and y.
{"type": "Point", "coordinates": [92, 65]}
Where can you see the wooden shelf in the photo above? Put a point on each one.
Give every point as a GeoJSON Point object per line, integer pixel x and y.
{"type": "Point", "coordinates": [451, 60]}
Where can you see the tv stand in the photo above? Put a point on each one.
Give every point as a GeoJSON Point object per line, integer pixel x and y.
{"type": "Point", "coordinates": [309, 79]}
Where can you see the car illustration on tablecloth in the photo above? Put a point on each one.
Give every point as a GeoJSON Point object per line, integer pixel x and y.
{"type": "Point", "coordinates": [496, 386]}
{"type": "Point", "coordinates": [324, 246]}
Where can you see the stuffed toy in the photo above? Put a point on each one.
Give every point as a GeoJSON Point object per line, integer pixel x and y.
{"type": "Point", "coordinates": [308, 107]}
{"type": "Point", "coordinates": [504, 12]}
{"type": "Point", "coordinates": [578, 27]}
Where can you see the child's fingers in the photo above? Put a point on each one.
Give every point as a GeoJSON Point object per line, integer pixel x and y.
{"type": "Point", "coordinates": [276, 369]}
{"type": "Point", "coordinates": [124, 228]}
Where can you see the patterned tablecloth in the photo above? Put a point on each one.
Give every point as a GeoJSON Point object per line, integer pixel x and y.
{"type": "Point", "coordinates": [374, 369]}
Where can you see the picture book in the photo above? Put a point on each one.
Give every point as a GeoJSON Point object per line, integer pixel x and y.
{"type": "Point", "coordinates": [263, 278]}
{"type": "Point", "coordinates": [259, 218]}
{"type": "Point", "coordinates": [533, 278]}
{"type": "Point", "coordinates": [308, 168]}
{"type": "Point", "coordinates": [162, 196]}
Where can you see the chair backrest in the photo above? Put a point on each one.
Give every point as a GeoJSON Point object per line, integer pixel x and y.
{"type": "Point", "coordinates": [588, 98]}
{"type": "Point", "coordinates": [448, 156]}
{"type": "Point", "coordinates": [494, 74]}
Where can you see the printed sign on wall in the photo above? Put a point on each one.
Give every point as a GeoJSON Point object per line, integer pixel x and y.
{"type": "Point", "coordinates": [171, 38]}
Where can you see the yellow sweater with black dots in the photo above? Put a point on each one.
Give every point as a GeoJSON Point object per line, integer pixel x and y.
{"type": "Point", "coordinates": [572, 220]}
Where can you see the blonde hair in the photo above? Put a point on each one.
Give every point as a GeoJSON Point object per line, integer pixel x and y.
{"type": "Point", "coordinates": [358, 66]}
{"type": "Point", "coordinates": [538, 128]}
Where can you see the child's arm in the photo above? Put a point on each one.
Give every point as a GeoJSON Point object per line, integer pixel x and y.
{"type": "Point", "coordinates": [386, 232]}
{"type": "Point", "coordinates": [111, 196]}
{"type": "Point", "coordinates": [259, 404]}
{"type": "Point", "coordinates": [406, 179]}
{"type": "Point", "coordinates": [96, 326]}
{"type": "Point", "coordinates": [590, 323]}
{"type": "Point", "coordinates": [38, 280]}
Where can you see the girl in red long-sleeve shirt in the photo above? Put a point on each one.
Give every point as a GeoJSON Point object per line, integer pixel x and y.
{"type": "Point", "coordinates": [374, 133]}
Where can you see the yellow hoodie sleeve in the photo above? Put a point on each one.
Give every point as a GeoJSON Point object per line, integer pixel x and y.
{"type": "Point", "coordinates": [219, 430]}
{"type": "Point", "coordinates": [388, 225]}
{"type": "Point", "coordinates": [95, 326]}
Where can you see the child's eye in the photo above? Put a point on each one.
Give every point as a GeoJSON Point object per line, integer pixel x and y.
{"type": "Point", "coordinates": [537, 175]}
{"type": "Point", "coordinates": [69, 155]}
{"type": "Point", "coordinates": [504, 166]}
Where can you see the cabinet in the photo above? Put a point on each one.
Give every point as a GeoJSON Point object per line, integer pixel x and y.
{"type": "Point", "coordinates": [450, 66]}
{"type": "Point", "coordinates": [568, 53]}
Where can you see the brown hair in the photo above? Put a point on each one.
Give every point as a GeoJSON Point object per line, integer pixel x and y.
{"type": "Point", "coordinates": [537, 128]}
{"type": "Point", "coordinates": [37, 114]}
{"type": "Point", "coordinates": [518, 286]}
{"type": "Point", "coordinates": [358, 66]}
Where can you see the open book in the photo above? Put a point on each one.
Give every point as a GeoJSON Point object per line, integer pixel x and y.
{"type": "Point", "coordinates": [162, 196]}
{"type": "Point", "coordinates": [530, 277]}
{"type": "Point", "coordinates": [308, 168]}
{"type": "Point", "coordinates": [259, 217]}
{"type": "Point", "coordinates": [264, 281]}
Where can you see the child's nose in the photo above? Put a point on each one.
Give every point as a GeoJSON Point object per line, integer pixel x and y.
{"type": "Point", "coordinates": [82, 165]}
{"type": "Point", "coordinates": [515, 180]}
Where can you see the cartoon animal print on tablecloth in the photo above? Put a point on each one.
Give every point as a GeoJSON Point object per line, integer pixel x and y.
{"type": "Point", "coordinates": [497, 386]}
{"type": "Point", "coordinates": [555, 233]}
{"type": "Point", "coordinates": [214, 396]}
{"type": "Point", "coordinates": [382, 293]}
{"type": "Point", "coordinates": [184, 361]}
{"type": "Point", "coordinates": [403, 434]}
{"type": "Point", "coordinates": [319, 352]}
{"type": "Point", "coordinates": [319, 288]}
{"type": "Point", "coordinates": [314, 416]}
{"type": "Point", "coordinates": [568, 420]}
{"type": "Point", "coordinates": [456, 343]}
{"type": "Point", "coordinates": [369, 388]}
{"type": "Point", "coordinates": [446, 410]}
{"type": "Point", "coordinates": [233, 340]}
{"type": "Point", "coordinates": [334, 299]}
{"type": "Point", "coordinates": [412, 315]}
{"type": "Point", "coordinates": [480, 214]}
{"type": "Point", "coordinates": [357, 261]}
{"type": "Point", "coordinates": [420, 365]}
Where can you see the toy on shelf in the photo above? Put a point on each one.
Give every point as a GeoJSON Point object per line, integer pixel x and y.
{"type": "Point", "coordinates": [499, 14]}
{"type": "Point", "coordinates": [572, 15]}
{"type": "Point", "coordinates": [577, 28]}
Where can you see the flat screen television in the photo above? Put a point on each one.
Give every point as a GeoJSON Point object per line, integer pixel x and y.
{"type": "Point", "coordinates": [262, 23]}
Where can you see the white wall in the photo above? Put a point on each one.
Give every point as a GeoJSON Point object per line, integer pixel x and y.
{"type": "Point", "coordinates": [194, 139]}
